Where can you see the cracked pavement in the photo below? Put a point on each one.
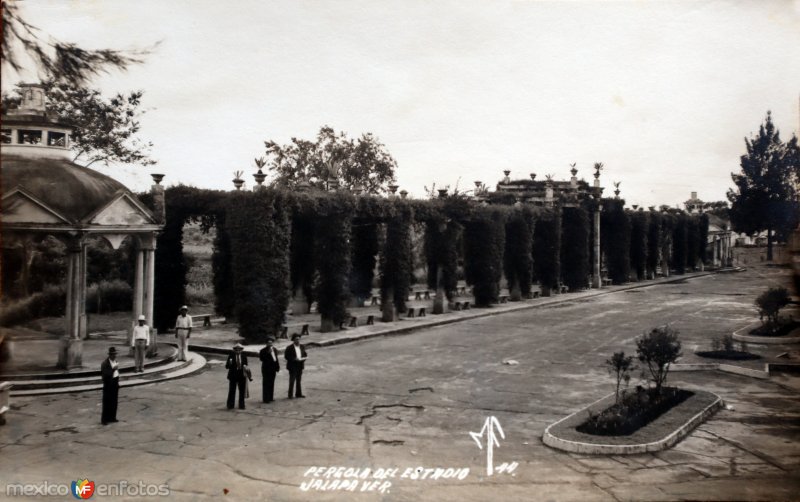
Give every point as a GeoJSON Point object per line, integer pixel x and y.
{"type": "Point", "coordinates": [411, 401]}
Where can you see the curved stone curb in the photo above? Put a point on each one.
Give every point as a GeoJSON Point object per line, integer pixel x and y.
{"type": "Point", "coordinates": [628, 449]}
{"type": "Point", "coordinates": [194, 363]}
{"type": "Point", "coordinates": [740, 336]}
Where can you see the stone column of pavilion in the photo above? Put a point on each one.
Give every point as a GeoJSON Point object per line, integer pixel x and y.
{"type": "Point", "coordinates": [596, 278]}
{"type": "Point", "coordinates": [44, 194]}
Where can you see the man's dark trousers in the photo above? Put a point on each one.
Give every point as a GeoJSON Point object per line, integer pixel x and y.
{"type": "Point", "coordinates": [110, 395]}
{"type": "Point", "coordinates": [232, 384]}
{"type": "Point", "coordinates": [269, 385]}
{"type": "Point", "coordinates": [295, 375]}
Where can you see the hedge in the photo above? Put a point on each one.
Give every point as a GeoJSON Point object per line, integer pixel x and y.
{"type": "Point", "coordinates": [615, 238]}
{"type": "Point", "coordinates": [484, 244]}
{"type": "Point", "coordinates": [442, 239]}
{"type": "Point", "coordinates": [575, 248]}
{"type": "Point", "coordinates": [397, 261]}
{"type": "Point", "coordinates": [547, 250]}
{"type": "Point", "coordinates": [654, 230]}
{"type": "Point", "coordinates": [518, 259]}
{"type": "Point", "coordinates": [638, 250]}
{"type": "Point", "coordinates": [258, 226]}
{"type": "Point", "coordinates": [332, 248]}
{"type": "Point", "coordinates": [680, 241]}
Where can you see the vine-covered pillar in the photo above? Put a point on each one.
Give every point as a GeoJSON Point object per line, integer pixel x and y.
{"type": "Point", "coordinates": [258, 227]}
{"type": "Point", "coordinates": [546, 250]}
{"type": "Point", "coordinates": [518, 256]}
{"type": "Point", "coordinates": [333, 233]}
{"type": "Point", "coordinates": [484, 246]}
{"type": "Point", "coordinates": [396, 261]}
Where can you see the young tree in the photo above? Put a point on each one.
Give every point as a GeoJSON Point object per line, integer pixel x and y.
{"type": "Point", "coordinates": [766, 194]}
{"type": "Point", "coordinates": [770, 302]}
{"type": "Point", "coordinates": [105, 129]}
{"type": "Point", "coordinates": [657, 350]}
{"type": "Point", "coordinates": [620, 366]}
{"type": "Point", "coordinates": [363, 163]}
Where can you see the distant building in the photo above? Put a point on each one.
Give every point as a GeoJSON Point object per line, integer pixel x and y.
{"type": "Point", "coordinates": [548, 192]}
{"type": "Point", "coordinates": [719, 247]}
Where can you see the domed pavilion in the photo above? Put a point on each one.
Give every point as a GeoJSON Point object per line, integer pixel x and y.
{"type": "Point", "coordinates": [45, 193]}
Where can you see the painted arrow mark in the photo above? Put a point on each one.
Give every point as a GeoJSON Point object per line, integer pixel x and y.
{"type": "Point", "coordinates": [490, 427]}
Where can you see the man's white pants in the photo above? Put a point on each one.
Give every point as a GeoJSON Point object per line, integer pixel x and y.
{"type": "Point", "coordinates": [183, 345]}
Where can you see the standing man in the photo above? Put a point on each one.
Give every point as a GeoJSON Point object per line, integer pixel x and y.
{"type": "Point", "coordinates": [139, 342]}
{"type": "Point", "coordinates": [237, 375]}
{"type": "Point", "coordinates": [183, 329]}
{"type": "Point", "coordinates": [269, 366]}
{"type": "Point", "coordinates": [109, 370]}
{"type": "Point", "coordinates": [295, 356]}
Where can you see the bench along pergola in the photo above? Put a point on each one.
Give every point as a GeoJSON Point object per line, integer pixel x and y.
{"type": "Point", "coordinates": [44, 193]}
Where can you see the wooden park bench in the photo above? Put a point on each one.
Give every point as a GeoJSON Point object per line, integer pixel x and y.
{"type": "Point", "coordinates": [461, 305]}
{"type": "Point", "coordinates": [607, 281]}
{"type": "Point", "coordinates": [285, 330]}
{"type": "Point", "coordinates": [206, 319]}
{"type": "Point", "coordinates": [503, 298]}
{"type": "Point", "coordinates": [419, 310]}
{"type": "Point", "coordinates": [420, 294]}
{"type": "Point", "coordinates": [354, 321]}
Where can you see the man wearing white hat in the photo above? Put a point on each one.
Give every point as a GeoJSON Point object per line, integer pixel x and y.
{"type": "Point", "coordinates": [183, 329]}
{"type": "Point", "coordinates": [139, 342]}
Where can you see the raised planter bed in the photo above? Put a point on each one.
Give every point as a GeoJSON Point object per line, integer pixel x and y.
{"type": "Point", "coordinates": [743, 335]}
{"type": "Point", "coordinates": [660, 434]}
{"type": "Point", "coordinates": [730, 355]}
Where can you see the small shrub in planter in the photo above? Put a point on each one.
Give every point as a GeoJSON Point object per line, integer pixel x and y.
{"type": "Point", "coordinates": [633, 412]}
{"type": "Point", "coordinates": [724, 348]}
{"type": "Point", "coordinates": [620, 366]}
{"type": "Point", "coordinates": [770, 302]}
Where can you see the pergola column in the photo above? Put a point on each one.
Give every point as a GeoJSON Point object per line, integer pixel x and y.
{"type": "Point", "coordinates": [148, 290]}
{"type": "Point", "coordinates": [596, 278]}
{"type": "Point", "coordinates": [138, 291]}
{"type": "Point", "coordinates": [71, 350]}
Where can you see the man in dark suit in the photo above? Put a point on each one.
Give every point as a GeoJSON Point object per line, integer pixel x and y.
{"type": "Point", "coordinates": [295, 356]}
{"type": "Point", "coordinates": [269, 366]}
{"type": "Point", "coordinates": [237, 375]}
{"type": "Point", "coordinates": [109, 370]}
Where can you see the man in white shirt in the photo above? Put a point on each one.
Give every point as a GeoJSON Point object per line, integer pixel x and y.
{"type": "Point", "coordinates": [183, 329]}
{"type": "Point", "coordinates": [139, 342]}
{"type": "Point", "coordinates": [295, 356]}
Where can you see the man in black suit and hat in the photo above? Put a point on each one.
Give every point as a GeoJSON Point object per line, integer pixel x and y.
{"type": "Point", "coordinates": [109, 370]}
{"type": "Point", "coordinates": [295, 356]}
{"type": "Point", "coordinates": [269, 367]}
{"type": "Point", "coordinates": [237, 375]}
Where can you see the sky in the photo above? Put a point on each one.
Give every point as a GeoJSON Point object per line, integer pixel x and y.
{"type": "Point", "coordinates": [663, 93]}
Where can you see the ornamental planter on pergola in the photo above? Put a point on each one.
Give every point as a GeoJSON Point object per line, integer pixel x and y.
{"type": "Point", "coordinates": [44, 193]}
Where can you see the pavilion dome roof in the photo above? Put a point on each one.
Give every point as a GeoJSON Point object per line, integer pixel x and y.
{"type": "Point", "coordinates": [73, 191]}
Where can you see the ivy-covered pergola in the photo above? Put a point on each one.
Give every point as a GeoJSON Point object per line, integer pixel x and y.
{"type": "Point", "coordinates": [275, 247]}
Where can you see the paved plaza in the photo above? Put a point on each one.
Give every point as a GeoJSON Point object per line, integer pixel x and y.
{"type": "Point", "coordinates": [410, 402]}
